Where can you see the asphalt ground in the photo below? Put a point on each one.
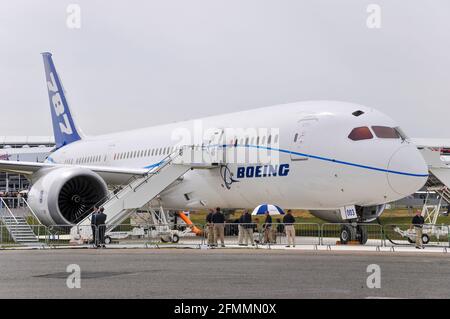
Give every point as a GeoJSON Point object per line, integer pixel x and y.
{"type": "Point", "coordinates": [221, 273]}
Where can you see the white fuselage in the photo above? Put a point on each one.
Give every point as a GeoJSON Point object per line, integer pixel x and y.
{"type": "Point", "coordinates": [315, 164]}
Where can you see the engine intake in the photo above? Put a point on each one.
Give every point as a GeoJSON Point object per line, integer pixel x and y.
{"type": "Point", "coordinates": [64, 196]}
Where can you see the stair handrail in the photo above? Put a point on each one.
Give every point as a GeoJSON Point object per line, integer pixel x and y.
{"type": "Point", "coordinates": [9, 211]}
{"type": "Point", "coordinates": [164, 163]}
{"type": "Point", "coordinates": [108, 196]}
{"type": "Point", "coordinates": [32, 211]}
{"type": "Point", "coordinates": [444, 193]}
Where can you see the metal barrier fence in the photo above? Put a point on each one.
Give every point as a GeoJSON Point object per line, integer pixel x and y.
{"type": "Point", "coordinates": [341, 234]}
{"type": "Point", "coordinates": [231, 234]}
{"type": "Point", "coordinates": [32, 235]}
{"type": "Point", "coordinates": [67, 235]}
{"type": "Point", "coordinates": [405, 234]}
{"type": "Point", "coordinates": [296, 234]}
{"type": "Point", "coordinates": [6, 239]}
{"type": "Point", "coordinates": [153, 234]}
{"type": "Point", "coordinates": [253, 234]}
{"type": "Point", "coordinates": [234, 234]}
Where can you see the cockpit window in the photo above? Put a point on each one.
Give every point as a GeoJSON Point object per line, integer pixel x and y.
{"type": "Point", "coordinates": [400, 132]}
{"type": "Point", "coordinates": [360, 133]}
{"type": "Point", "coordinates": [385, 132]}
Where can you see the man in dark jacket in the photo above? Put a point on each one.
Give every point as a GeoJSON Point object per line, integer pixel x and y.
{"type": "Point", "coordinates": [210, 228]}
{"type": "Point", "coordinates": [418, 222]}
{"type": "Point", "coordinates": [100, 221]}
{"type": "Point", "coordinates": [288, 221]}
{"type": "Point", "coordinates": [247, 226]}
{"type": "Point", "coordinates": [218, 219]}
{"type": "Point", "coordinates": [93, 227]}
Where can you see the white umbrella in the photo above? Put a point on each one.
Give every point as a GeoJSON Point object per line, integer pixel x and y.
{"type": "Point", "coordinates": [272, 209]}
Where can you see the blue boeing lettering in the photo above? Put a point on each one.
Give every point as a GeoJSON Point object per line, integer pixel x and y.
{"type": "Point", "coordinates": [262, 171]}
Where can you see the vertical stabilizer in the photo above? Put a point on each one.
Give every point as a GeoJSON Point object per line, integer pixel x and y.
{"type": "Point", "coordinates": [64, 127]}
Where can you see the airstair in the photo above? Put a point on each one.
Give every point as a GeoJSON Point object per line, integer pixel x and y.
{"type": "Point", "coordinates": [438, 185]}
{"type": "Point", "coordinates": [118, 206]}
{"type": "Point", "coordinates": [13, 215]}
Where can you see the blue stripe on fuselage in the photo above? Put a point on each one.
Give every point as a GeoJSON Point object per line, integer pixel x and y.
{"type": "Point", "coordinates": [317, 158]}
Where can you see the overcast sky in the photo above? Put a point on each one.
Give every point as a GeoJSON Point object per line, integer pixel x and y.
{"type": "Point", "coordinates": [140, 63]}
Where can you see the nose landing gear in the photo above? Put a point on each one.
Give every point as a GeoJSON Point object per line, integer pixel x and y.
{"type": "Point", "coordinates": [352, 233]}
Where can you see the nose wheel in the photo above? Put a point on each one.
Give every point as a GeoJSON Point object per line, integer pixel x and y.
{"type": "Point", "coordinates": [351, 233]}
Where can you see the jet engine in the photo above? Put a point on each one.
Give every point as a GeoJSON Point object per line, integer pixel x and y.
{"type": "Point", "coordinates": [64, 196]}
{"type": "Point", "coordinates": [365, 214]}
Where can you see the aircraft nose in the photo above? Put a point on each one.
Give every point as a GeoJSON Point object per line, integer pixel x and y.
{"type": "Point", "coordinates": [407, 170]}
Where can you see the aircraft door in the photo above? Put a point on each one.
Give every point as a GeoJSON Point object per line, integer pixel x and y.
{"type": "Point", "coordinates": [214, 142]}
{"type": "Point", "coordinates": [301, 138]}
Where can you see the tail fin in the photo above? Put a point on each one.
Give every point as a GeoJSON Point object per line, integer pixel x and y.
{"type": "Point", "coordinates": [64, 127]}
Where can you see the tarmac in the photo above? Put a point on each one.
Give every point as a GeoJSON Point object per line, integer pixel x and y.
{"type": "Point", "coordinates": [301, 272]}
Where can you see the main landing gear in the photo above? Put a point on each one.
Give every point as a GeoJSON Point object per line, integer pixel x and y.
{"type": "Point", "coordinates": [352, 233]}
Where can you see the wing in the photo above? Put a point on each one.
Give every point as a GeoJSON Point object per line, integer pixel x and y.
{"type": "Point", "coordinates": [436, 152]}
{"type": "Point", "coordinates": [432, 142]}
{"type": "Point", "coordinates": [111, 175]}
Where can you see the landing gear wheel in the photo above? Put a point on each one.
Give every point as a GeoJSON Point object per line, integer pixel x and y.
{"type": "Point", "coordinates": [425, 239]}
{"type": "Point", "coordinates": [362, 235]}
{"type": "Point", "coordinates": [108, 240]}
{"type": "Point", "coordinates": [165, 239]}
{"type": "Point", "coordinates": [347, 234]}
{"type": "Point", "coordinates": [175, 238]}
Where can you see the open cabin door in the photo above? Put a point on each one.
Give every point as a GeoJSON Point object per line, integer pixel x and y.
{"type": "Point", "coordinates": [302, 138]}
{"type": "Point", "coordinates": [214, 143]}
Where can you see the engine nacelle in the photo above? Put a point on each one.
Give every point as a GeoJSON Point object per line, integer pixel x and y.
{"type": "Point", "coordinates": [64, 196]}
{"type": "Point", "coordinates": [365, 214]}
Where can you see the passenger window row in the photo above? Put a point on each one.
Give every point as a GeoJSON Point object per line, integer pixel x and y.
{"type": "Point", "coordinates": [257, 140]}
{"type": "Point", "coordinates": [123, 155]}
{"type": "Point", "coordinates": [87, 159]}
{"type": "Point", "coordinates": [144, 153]}
{"type": "Point", "coordinates": [165, 150]}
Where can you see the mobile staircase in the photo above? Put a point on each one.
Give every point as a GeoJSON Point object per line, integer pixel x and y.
{"type": "Point", "coordinates": [118, 206]}
{"type": "Point", "coordinates": [13, 216]}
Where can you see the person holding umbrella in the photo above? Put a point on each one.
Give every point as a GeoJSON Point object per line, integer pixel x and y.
{"type": "Point", "coordinates": [267, 226]}
{"type": "Point", "coordinates": [269, 211]}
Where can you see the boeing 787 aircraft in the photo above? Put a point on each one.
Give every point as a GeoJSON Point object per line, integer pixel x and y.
{"type": "Point", "coordinates": [341, 161]}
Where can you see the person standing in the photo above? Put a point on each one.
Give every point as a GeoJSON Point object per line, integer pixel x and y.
{"type": "Point", "coordinates": [218, 219]}
{"type": "Point", "coordinates": [289, 221]}
{"type": "Point", "coordinates": [267, 228]}
{"type": "Point", "coordinates": [100, 222]}
{"type": "Point", "coordinates": [418, 222]}
{"type": "Point", "coordinates": [247, 227]}
{"type": "Point", "coordinates": [93, 226]}
{"type": "Point", "coordinates": [210, 228]}
{"type": "Point", "coordinates": [240, 231]}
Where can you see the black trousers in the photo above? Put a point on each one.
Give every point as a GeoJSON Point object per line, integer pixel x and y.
{"type": "Point", "coordinates": [101, 235]}
{"type": "Point", "coordinates": [94, 234]}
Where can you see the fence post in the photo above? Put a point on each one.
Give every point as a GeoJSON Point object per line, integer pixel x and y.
{"type": "Point", "coordinates": [448, 235]}
{"type": "Point", "coordinates": [321, 234]}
